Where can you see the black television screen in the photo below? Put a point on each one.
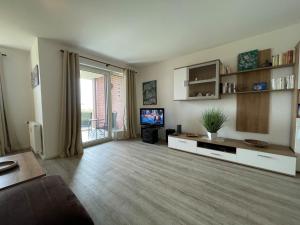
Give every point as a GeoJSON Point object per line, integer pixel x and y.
{"type": "Point", "coordinates": [152, 116]}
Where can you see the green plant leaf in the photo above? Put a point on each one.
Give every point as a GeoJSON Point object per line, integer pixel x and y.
{"type": "Point", "coordinates": [213, 120]}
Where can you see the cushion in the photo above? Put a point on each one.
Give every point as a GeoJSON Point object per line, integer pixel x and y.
{"type": "Point", "coordinates": [44, 201]}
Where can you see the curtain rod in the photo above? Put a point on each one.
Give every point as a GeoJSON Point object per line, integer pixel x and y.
{"type": "Point", "coordinates": [106, 64]}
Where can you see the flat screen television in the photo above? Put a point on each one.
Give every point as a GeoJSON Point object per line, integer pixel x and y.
{"type": "Point", "coordinates": [152, 116]}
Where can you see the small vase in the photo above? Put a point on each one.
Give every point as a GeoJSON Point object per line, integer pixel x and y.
{"type": "Point", "coordinates": [212, 136]}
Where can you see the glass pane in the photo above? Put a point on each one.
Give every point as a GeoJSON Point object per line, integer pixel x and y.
{"type": "Point", "coordinates": [94, 125]}
{"type": "Point", "coordinates": [117, 100]}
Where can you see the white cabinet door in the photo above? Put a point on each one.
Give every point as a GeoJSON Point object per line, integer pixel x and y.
{"type": "Point", "coordinates": [182, 144]}
{"type": "Point", "coordinates": [297, 62]}
{"type": "Point", "coordinates": [180, 84]}
{"type": "Point", "coordinates": [297, 136]}
{"type": "Point", "coordinates": [298, 162]}
{"type": "Point", "coordinates": [277, 163]}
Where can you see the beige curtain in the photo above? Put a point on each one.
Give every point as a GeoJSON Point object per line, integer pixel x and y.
{"type": "Point", "coordinates": [70, 133]}
{"type": "Point", "coordinates": [131, 124]}
{"type": "Point", "coordinates": [5, 145]}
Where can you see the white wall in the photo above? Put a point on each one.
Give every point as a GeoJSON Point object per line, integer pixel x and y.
{"type": "Point", "coordinates": [37, 96]}
{"type": "Point", "coordinates": [50, 63]}
{"type": "Point", "coordinates": [19, 95]}
{"type": "Point", "coordinates": [188, 113]}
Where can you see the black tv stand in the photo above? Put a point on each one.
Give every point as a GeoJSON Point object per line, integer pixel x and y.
{"type": "Point", "coordinates": [149, 134]}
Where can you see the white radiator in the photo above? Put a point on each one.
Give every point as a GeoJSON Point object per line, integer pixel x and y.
{"type": "Point", "coordinates": [35, 134]}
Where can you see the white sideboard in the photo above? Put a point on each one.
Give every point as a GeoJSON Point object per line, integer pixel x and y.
{"type": "Point", "coordinates": [277, 160]}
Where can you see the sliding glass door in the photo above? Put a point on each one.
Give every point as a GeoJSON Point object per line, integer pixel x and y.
{"type": "Point", "coordinates": [117, 103]}
{"type": "Point", "coordinates": [95, 105]}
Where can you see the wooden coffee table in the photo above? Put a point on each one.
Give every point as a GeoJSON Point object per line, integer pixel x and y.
{"type": "Point", "coordinates": [27, 170]}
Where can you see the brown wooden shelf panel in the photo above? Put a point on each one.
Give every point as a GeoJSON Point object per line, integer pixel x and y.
{"type": "Point", "coordinates": [257, 69]}
{"type": "Point", "coordinates": [252, 113]}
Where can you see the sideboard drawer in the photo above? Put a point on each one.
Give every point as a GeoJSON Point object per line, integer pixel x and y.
{"type": "Point", "coordinates": [217, 154]}
{"type": "Point", "coordinates": [268, 161]}
{"type": "Point", "coordinates": [182, 144]}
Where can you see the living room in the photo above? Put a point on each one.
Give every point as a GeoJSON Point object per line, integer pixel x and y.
{"type": "Point", "coordinates": [169, 113]}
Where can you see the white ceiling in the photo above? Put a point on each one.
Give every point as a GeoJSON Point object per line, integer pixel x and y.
{"type": "Point", "coordinates": [142, 31]}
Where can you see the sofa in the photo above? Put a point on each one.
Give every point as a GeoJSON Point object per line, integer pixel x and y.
{"type": "Point", "coordinates": [44, 201]}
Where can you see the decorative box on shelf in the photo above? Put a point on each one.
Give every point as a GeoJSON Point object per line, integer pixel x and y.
{"type": "Point", "coordinates": [248, 60]}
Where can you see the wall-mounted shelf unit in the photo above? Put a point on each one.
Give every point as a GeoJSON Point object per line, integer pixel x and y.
{"type": "Point", "coordinates": [197, 82]}
{"type": "Point", "coordinates": [202, 82]}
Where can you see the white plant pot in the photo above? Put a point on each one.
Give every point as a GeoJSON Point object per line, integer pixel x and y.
{"type": "Point", "coordinates": [212, 136]}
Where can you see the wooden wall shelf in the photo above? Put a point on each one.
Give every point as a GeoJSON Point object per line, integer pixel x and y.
{"type": "Point", "coordinates": [262, 91]}
{"type": "Point", "coordinates": [202, 81]}
{"type": "Point", "coordinates": [257, 69]}
{"type": "Point", "coordinates": [202, 97]}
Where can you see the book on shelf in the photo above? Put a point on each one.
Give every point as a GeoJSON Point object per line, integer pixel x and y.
{"type": "Point", "coordinates": [282, 83]}
{"type": "Point", "coordinates": [280, 59]}
{"type": "Point", "coordinates": [283, 58]}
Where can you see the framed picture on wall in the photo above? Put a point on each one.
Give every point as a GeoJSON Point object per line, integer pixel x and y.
{"type": "Point", "coordinates": [149, 93]}
{"type": "Point", "coordinates": [35, 79]}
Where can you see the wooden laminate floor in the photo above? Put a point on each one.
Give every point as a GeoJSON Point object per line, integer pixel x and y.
{"type": "Point", "coordinates": [130, 182]}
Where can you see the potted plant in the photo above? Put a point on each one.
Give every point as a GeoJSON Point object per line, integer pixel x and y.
{"type": "Point", "coordinates": [213, 120]}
